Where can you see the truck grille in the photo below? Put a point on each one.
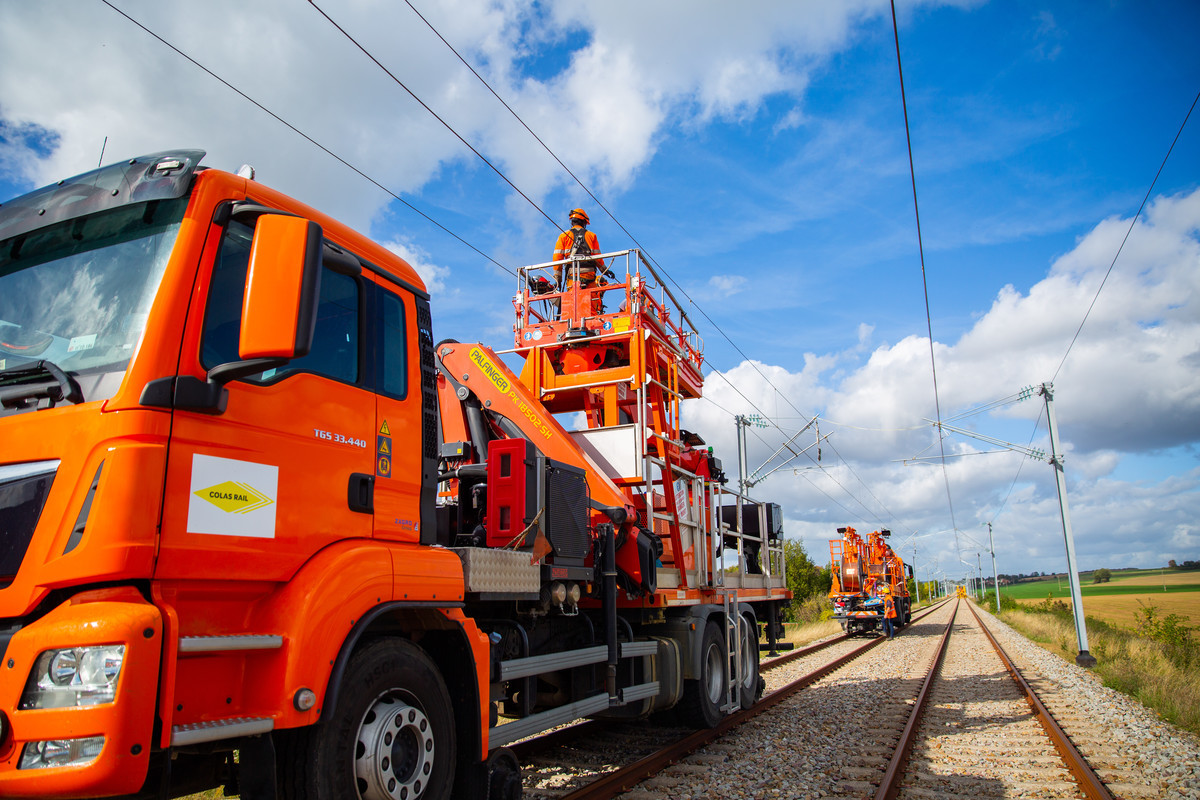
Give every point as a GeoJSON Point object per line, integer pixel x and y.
{"type": "Point", "coordinates": [23, 492]}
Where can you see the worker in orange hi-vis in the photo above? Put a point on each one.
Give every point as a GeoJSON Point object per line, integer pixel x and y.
{"type": "Point", "coordinates": [889, 613]}
{"type": "Point", "coordinates": [579, 241]}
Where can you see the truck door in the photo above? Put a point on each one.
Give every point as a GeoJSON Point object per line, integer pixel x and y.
{"type": "Point", "coordinates": [255, 490]}
{"type": "Point", "coordinates": [399, 444]}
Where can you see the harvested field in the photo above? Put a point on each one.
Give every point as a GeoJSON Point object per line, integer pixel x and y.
{"type": "Point", "coordinates": [1120, 609]}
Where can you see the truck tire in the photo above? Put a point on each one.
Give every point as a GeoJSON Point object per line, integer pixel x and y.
{"type": "Point", "coordinates": [752, 683]}
{"type": "Point", "coordinates": [700, 706]}
{"type": "Point", "coordinates": [390, 737]}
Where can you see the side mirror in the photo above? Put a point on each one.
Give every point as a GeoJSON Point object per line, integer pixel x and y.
{"type": "Point", "coordinates": [279, 314]}
{"type": "Point", "coordinates": [283, 282]}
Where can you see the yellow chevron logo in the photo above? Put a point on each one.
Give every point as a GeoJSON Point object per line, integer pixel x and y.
{"type": "Point", "coordinates": [234, 498]}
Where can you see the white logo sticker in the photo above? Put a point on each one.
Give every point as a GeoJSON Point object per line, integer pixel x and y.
{"type": "Point", "coordinates": [232, 498]}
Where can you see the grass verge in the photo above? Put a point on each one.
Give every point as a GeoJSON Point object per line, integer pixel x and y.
{"type": "Point", "coordinates": [1157, 664]}
{"type": "Point", "coordinates": [803, 633]}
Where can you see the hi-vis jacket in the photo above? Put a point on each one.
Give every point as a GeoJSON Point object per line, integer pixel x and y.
{"type": "Point", "coordinates": [563, 247]}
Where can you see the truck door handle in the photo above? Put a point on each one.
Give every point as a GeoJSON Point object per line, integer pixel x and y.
{"type": "Point", "coordinates": [361, 493]}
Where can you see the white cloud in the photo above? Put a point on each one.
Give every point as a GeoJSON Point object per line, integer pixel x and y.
{"type": "Point", "coordinates": [632, 69]}
{"type": "Point", "coordinates": [434, 276]}
{"type": "Point", "coordinates": [74, 72]}
{"type": "Point", "coordinates": [725, 285]}
{"type": "Point", "coordinates": [1131, 385]}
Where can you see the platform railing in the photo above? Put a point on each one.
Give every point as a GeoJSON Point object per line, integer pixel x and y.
{"type": "Point", "coordinates": [640, 287]}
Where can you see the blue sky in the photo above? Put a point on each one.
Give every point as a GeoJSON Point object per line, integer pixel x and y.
{"type": "Point", "coordinates": [757, 152]}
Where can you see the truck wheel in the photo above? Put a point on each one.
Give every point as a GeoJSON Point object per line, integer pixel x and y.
{"type": "Point", "coordinates": [700, 706]}
{"type": "Point", "coordinates": [391, 736]}
{"type": "Point", "coordinates": [752, 685]}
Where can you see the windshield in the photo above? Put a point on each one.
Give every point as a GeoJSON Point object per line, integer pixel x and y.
{"type": "Point", "coordinates": [78, 293]}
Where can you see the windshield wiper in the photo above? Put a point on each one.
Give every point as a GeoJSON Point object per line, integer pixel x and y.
{"type": "Point", "coordinates": [37, 381]}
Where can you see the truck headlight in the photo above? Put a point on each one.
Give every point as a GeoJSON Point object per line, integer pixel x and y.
{"type": "Point", "coordinates": [74, 676]}
{"type": "Point", "coordinates": [61, 753]}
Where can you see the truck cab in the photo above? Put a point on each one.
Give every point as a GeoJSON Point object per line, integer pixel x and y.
{"type": "Point", "coordinates": [202, 381]}
{"type": "Point", "coordinates": [259, 531]}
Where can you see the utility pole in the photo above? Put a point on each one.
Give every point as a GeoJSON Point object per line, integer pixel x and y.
{"type": "Point", "coordinates": [743, 422]}
{"type": "Point", "coordinates": [995, 575]}
{"type": "Point", "coordinates": [979, 572]}
{"type": "Point", "coordinates": [1084, 658]}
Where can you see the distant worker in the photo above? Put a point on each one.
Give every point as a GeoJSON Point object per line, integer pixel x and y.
{"type": "Point", "coordinates": [579, 241]}
{"type": "Point", "coordinates": [889, 613]}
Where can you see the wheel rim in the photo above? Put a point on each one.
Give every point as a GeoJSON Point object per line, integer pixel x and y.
{"type": "Point", "coordinates": [715, 675]}
{"type": "Point", "coordinates": [749, 659]}
{"type": "Point", "coordinates": [394, 756]}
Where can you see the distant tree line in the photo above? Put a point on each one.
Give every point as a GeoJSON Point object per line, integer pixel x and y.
{"type": "Point", "coordinates": [1023, 577]}
{"type": "Point", "coordinates": [809, 583]}
{"type": "Point", "coordinates": [1187, 565]}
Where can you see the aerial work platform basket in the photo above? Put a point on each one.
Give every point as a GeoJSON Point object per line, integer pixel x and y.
{"type": "Point", "coordinates": [623, 354]}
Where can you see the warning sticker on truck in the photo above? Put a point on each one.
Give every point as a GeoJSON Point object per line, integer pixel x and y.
{"type": "Point", "coordinates": [232, 498]}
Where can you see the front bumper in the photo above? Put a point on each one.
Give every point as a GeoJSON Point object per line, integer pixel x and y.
{"type": "Point", "coordinates": [101, 617]}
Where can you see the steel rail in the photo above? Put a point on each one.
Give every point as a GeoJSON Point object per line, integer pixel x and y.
{"type": "Point", "coordinates": [537, 744]}
{"type": "Point", "coordinates": [890, 786]}
{"type": "Point", "coordinates": [1089, 782]}
{"type": "Point", "coordinates": [613, 783]}
{"type": "Point", "coordinates": [779, 661]}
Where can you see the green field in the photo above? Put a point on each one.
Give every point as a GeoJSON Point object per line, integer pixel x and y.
{"type": "Point", "coordinates": [1122, 601]}
{"type": "Point", "coordinates": [1139, 582]}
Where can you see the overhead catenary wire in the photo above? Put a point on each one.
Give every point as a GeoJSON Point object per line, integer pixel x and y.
{"type": "Point", "coordinates": [364, 175]}
{"type": "Point", "coordinates": [598, 202]}
{"type": "Point", "coordinates": [924, 280]}
{"type": "Point", "coordinates": [1121, 247]}
{"type": "Point", "coordinates": [616, 221]}
{"type": "Point", "coordinates": [833, 447]}
{"type": "Point", "coordinates": [328, 151]}
{"type": "Point", "coordinates": [1003, 401]}
{"type": "Point", "coordinates": [824, 471]}
{"type": "Point", "coordinates": [1036, 426]}
{"type": "Point", "coordinates": [307, 138]}
{"type": "Point", "coordinates": [333, 154]}
{"type": "Point", "coordinates": [828, 474]}
{"type": "Point", "coordinates": [515, 115]}
{"type": "Point", "coordinates": [1112, 264]}
{"type": "Point", "coordinates": [433, 113]}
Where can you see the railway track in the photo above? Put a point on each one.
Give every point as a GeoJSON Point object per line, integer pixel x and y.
{"type": "Point", "coordinates": [977, 729]}
{"type": "Point", "coordinates": [934, 714]}
{"type": "Point", "coordinates": [582, 761]}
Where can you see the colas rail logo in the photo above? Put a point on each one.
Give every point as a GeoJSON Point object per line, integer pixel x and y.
{"type": "Point", "coordinates": [234, 497]}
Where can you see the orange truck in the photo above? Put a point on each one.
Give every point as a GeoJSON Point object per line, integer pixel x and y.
{"type": "Point", "coordinates": [864, 571]}
{"type": "Point", "coordinates": [248, 506]}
